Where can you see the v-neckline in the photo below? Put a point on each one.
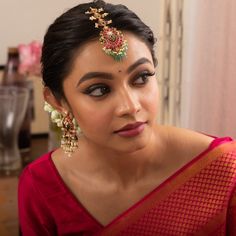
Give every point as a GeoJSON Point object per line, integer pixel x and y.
{"type": "Point", "coordinates": [214, 143]}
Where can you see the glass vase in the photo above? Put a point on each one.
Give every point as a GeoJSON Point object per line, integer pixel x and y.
{"type": "Point", "coordinates": [13, 102]}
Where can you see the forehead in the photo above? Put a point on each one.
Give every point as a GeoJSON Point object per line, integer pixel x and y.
{"type": "Point", "coordinates": [91, 57]}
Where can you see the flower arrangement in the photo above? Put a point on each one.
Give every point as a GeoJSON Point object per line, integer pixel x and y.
{"type": "Point", "coordinates": [55, 132]}
{"type": "Point", "coordinates": [56, 117]}
{"type": "Point", "coordinates": [30, 55]}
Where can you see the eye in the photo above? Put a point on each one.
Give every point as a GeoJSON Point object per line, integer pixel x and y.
{"type": "Point", "coordinates": [97, 90]}
{"type": "Point", "coordinates": [142, 78]}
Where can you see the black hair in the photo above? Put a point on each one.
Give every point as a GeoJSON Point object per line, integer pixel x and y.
{"type": "Point", "coordinates": [73, 29]}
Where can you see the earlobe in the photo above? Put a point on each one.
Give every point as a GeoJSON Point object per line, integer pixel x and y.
{"type": "Point", "coordinates": [53, 101]}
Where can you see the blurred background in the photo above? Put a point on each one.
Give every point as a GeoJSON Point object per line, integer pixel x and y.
{"type": "Point", "coordinates": [196, 72]}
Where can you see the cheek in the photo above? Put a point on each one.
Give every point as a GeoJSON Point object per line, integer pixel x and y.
{"type": "Point", "coordinates": [92, 117]}
{"type": "Point", "coordinates": [87, 113]}
{"type": "Point", "coordinates": [151, 98]}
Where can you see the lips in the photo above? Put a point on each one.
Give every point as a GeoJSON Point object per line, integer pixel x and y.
{"type": "Point", "coordinates": [131, 130]}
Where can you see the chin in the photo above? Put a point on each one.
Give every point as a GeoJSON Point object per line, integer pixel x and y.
{"type": "Point", "coordinates": [136, 149]}
{"type": "Point", "coordinates": [133, 147]}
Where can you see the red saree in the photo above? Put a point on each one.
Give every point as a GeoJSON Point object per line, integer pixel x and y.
{"type": "Point", "coordinates": [199, 199]}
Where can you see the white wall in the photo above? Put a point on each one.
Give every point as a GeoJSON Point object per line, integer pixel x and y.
{"type": "Point", "coordinates": [209, 67]}
{"type": "Point", "coordinates": [22, 21]}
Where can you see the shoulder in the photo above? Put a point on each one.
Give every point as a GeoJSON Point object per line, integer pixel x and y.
{"type": "Point", "coordinates": [36, 170]}
{"type": "Point", "coordinates": [30, 178]}
{"type": "Point", "coordinates": [42, 160]}
{"type": "Point", "coordinates": [187, 141]}
{"type": "Point", "coordinates": [182, 134]}
{"type": "Point", "coordinates": [184, 145]}
{"type": "Point", "coordinates": [187, 145]}
{"type": "Point", "coordinates": [39, 180]}
{"type": "Point", "coordinates": [35, 217]}
{"type": "Point", "coordinates": [190, 140]}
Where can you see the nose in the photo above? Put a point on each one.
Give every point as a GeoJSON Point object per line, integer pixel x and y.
{"type": "Point", "coordinates": [127, 103]}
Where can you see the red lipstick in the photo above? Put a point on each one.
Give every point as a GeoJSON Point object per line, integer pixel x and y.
{"type": "Point", "coordinates": [131, 130]}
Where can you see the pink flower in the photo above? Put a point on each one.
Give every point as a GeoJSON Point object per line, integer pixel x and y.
{"type": "Point", "coordinates": [30, 55]}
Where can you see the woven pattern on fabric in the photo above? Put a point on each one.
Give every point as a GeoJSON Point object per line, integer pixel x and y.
{"type": "Point", "coordinates": [199, 205]}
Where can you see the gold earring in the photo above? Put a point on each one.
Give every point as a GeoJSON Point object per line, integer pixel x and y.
{"type": "Point", "coordinates": [69, 139]}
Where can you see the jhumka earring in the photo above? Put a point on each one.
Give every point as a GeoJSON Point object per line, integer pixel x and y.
{"type": "Point", "coordinates": [69, 140]}
{"type": "Point", "coordinates": [112, 39]}
{"type": "Point", "coordinates": [69, 128]}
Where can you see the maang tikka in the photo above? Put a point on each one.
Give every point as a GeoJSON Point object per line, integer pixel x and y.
{"type": "Point", "coordinates": [113, 41]}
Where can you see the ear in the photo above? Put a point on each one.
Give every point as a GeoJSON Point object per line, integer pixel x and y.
{"type": "Point", "coordinates": [59, 105]}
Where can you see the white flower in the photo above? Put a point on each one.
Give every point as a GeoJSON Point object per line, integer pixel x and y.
{"type": "Point", "coordinates": [57, 117]}
{"type": "Point", "coordinates": [47, 107]}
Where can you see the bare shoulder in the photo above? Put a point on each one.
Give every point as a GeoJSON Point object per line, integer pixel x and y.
{"type": "Point", "coordinates": [185, 136]}
{"type": "Point", "coordinates": [187, 143]}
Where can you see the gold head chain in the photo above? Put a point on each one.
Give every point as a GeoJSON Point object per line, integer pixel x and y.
{"type": "Point", "coordinates": [113, 41]}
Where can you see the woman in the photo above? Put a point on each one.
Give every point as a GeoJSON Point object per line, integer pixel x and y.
{"type": "Point", "coordinates": [123, 174]}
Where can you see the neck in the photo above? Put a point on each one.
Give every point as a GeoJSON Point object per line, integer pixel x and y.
{"type": "Point", "coordinates": [121, 167]}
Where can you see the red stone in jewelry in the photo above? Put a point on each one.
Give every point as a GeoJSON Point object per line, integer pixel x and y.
{"type": "Point", "coordinates": [113, 42]}
{"type": "Point", "coordinates": [112, 39]}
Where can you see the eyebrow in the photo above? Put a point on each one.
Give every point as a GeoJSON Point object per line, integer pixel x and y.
{"type": "Point", "coordinates": [92, 75]}
{"type": "Point", "coordinates": [140, 61]}
{"type": "Point", "coordinates": [108, 76]}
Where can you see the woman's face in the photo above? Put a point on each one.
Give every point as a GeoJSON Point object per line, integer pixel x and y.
{"type": "Point", "coordinates": [114, 103]}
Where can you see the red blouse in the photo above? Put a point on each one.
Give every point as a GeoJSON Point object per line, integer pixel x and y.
{"type": "Point", "coordinates": [47, 206]}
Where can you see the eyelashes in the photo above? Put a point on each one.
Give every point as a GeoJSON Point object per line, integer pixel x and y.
{"type": "Point", "coordinates": [97, 90]}
{"type": "Point", "coordinates": [142, 78]}
{"type": "Point", "coordinates": [101, 89]}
